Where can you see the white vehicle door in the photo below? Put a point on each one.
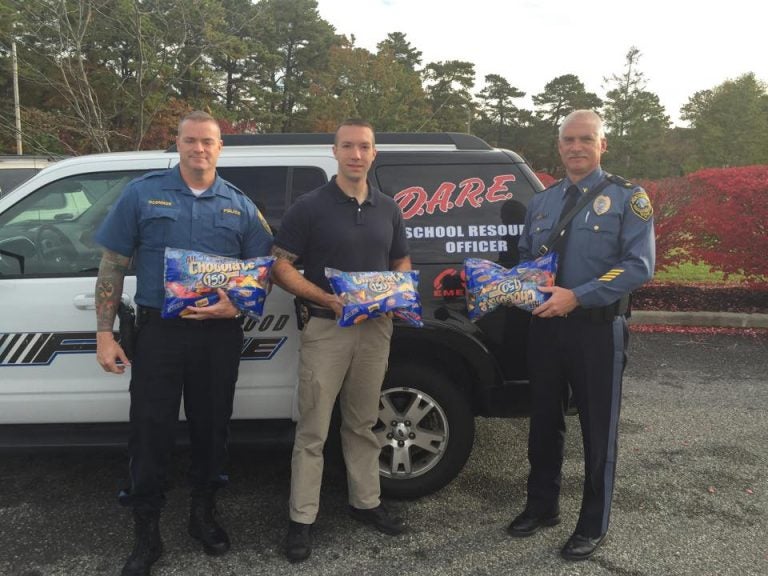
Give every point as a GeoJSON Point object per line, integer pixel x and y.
{"type": "Point", "coordinates": [48, 268]}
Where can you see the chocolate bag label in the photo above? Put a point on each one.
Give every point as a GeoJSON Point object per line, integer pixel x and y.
{"type": "Point", "coordinates": [372, 294]}
{"type": "Point", "coordinates": [192, 279]}
{"type": "Point", "coordinates": [490, 285]}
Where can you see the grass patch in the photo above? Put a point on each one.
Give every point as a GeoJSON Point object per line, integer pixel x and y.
{"type": "Point", "coordinates": [690, 273]}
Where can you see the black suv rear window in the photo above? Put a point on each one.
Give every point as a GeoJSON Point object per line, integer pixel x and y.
{"type": "Point", "coordinates": [272, 188]}
{"type": "Point", "coordinates": [460, 211]}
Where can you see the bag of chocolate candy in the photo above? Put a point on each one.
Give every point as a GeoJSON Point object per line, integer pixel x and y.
{"type": "Point", "coordinates": [192, 279]}
{"type": "Point", "coordinates": [490, 285]}
{"type": "Point", "coordinates": [372, 294]}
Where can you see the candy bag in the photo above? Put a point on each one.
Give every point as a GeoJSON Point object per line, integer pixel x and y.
{"type": "Point", "coordinates": [372, 294]}
{"type": "Point", "coordinates": [191, 279]}
{"type": "Point", "coordinates": [490, 285]}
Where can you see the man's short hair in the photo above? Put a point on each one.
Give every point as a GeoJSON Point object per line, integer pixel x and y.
{"type": "Point", "coordinates": [590, 114]}
{"type": "Point", "coordinates": [355, 122]}
{"type": "Point", "coordinates": [197, 116]}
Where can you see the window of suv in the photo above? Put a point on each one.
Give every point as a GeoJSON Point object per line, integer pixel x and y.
{"type": "Point", "coordinates": [457, 211]}
{"type": "Point", "coordinates": [273, 188]}
{"type": "Point", "coordinates": [52, 229]}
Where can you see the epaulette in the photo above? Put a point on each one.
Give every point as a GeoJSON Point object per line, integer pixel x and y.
{"type": "Point", "coordinates": [554, 184]}
{"type": "Point", "coordinates": [152, 174]}
{"type": "Point", "coordinates": [619, 181]}
{"type": "Point", "coordinates": [235, 188]}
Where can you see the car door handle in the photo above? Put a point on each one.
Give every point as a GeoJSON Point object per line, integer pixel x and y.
{"type": "Point", "coordinates": [88, 301]}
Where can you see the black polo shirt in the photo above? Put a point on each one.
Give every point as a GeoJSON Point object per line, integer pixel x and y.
{"type": "Point", "coordinates": [326, 227]}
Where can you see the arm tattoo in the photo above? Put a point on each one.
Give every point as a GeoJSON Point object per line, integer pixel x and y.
{"type": "Point", "coordinates": [284, 254]}
{"type": "Point", "coordinates": [109, 288]}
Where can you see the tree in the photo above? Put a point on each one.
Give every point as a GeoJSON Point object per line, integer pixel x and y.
{"type": "Point", "coordinates": [560, 97]}
{"type": "Point", "coordinates": [234, 49]}
{"type": "Point", "coordinates": [397, 101]}
{"type": "Point", "coordinates": [496, 103]}
{"type": "Point", "coordinates": [636, 123]}
{"type": "Point", "coordinates": [401, 50]}
{"type": "Point", "coordinates": [98, 74]}
{"type": "Point", "coordinates": [297, 44]}
{"type": "Point", "coordinates": [63, 31]}
{"type": "Point", "coordinates": [730, 123]}
{"type": "Point", "coordinates": [448, 86]}
{"type": "Point", "coordinates": [377, 88]}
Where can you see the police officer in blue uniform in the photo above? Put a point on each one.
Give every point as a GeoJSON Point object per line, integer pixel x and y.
{"type": "Point", "coordinates": [197, 356]}
{"type": "Point", "coordinates": [579, 336]}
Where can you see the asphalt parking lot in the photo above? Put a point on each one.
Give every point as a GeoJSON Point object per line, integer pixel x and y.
{"type": "Point", "coordinates": [691, 495]}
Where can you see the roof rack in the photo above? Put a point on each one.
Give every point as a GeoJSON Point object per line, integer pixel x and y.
{"type": "Point", "coordinates": [461, 141]}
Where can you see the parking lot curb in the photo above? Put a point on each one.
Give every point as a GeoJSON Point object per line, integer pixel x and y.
{"type": "Point", "coordinates": [726, 319]}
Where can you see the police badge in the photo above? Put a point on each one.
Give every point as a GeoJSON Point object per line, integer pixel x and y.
{"type": "Point", "coordinates": [601, 205]}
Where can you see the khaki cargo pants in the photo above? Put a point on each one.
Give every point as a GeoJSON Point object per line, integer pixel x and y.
{"type": "Point", "coordinates": [349, 361]}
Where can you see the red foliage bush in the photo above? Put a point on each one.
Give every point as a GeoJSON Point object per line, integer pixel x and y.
{"type": "Point", "coordinates": [545, 178]}
{"type": "Point", "coordinates": [718, 216]}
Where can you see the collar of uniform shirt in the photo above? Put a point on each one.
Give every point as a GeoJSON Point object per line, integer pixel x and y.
{"type": "Point", "coordinates": [587, 183]}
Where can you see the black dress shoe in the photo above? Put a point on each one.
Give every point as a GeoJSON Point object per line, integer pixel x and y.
{"type": "Point", "coordinates": [379, 518]}
{"type": "Point", "coordinates": [527, 524]}
{"type": "Point", "coordinates": [580, 547]}
{"type": "Point", "coordinates": [298, 544]}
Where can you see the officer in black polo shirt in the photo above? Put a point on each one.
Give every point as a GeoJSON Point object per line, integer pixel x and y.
{"type": "Point", "coordinates": [351, 226]}
{"type": "Point", "coordinates": [579, 336]}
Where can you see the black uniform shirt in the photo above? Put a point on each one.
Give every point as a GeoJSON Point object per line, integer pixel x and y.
{"type": "Point", "coordinates": [327, 228]}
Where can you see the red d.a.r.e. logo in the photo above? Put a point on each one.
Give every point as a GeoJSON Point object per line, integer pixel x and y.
{"type": "Point", "coordinates": [449, 284]}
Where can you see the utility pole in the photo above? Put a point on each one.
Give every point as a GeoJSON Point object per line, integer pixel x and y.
{"type": "Point", "coordinates": [16, 105]}
{"type": "Point", "coordinates": [469, 117]}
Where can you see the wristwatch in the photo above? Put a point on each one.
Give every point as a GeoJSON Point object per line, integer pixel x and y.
{"type": "Point", "coordinates": [239, 315]}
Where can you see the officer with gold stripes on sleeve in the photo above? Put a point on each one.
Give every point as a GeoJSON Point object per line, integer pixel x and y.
{"type": "Point", "coordinates": [579, 336]}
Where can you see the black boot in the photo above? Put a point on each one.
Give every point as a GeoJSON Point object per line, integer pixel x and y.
{"type": "Point", "coordinates": [203, 526]}
{"type": "Point", "coordinates": [147, 547]}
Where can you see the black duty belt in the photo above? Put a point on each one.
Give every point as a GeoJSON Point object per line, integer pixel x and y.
{"type": "Point", "coordinates": [602, 313]}
{"type": "Point", "coordinates": [319, 312]}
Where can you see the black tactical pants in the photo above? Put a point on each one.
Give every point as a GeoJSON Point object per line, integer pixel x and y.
{"type": "Point", "coordinates": [196, 360]}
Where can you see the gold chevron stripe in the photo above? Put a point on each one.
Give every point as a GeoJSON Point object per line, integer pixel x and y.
{"type": "Point", "coordinates": [611, 275]}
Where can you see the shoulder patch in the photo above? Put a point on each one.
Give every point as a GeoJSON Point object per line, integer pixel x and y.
{"type": "Point", "coordinates": [264, 222]}
{"type": "Point", "coordinates": [641, 204]}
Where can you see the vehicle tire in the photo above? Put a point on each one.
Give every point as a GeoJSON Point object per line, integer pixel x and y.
{"type": "Point", "coordinates": [426, 430]}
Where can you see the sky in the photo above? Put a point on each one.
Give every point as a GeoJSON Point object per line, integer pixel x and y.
{"type": "Point", "coordinates": [685, 45]}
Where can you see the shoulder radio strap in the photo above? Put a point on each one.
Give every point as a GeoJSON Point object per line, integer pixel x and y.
{"type": "Point", "coordinates": [557, 231]}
